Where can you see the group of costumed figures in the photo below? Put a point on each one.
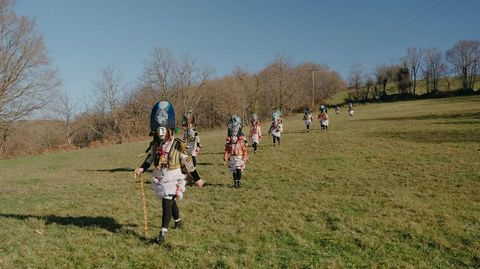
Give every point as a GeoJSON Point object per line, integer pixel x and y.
{"type": "Point", "coordinates": [174, 159]}
{"type": "Point", "coordinates": [323, 117]}
{"type": "Point", "coordinates": [235, 155]}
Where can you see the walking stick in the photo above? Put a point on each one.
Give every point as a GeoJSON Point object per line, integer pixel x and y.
{"type": "Point", "coordinates": [145, 225]}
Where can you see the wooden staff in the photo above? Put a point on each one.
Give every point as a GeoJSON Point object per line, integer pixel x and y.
{"type": "Point", "coordinates": [145, 225]}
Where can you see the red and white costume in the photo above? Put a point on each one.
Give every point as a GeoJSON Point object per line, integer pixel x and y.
{"type": "Point", "coordinates": [255, 133]}
{"type": "Point", "coordinates": [235, 154]}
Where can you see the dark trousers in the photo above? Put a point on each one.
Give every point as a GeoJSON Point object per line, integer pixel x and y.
{"type": "Point", "coordinates": [170, 209]}
{"type": "Point", "coordinates": [237, 175]}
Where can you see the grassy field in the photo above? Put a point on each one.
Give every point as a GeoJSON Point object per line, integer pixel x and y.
{"type": "Point", "coordinates": [397, 185]}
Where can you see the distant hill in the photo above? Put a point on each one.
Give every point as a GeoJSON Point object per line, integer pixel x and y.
{"type": "Point", "coordinates": [455, 84]}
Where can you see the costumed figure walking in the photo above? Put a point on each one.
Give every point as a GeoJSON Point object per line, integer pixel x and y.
{"type": "Point", "coordinates": [255, 131]}
{"type": "Point", "coordinates": [337, 110]}
{"type": "Point", "coordinates": [168, 155]}
{"type": "Point", "coordinates": [276, 128]}
{"type": "Point", "coordinates": [307, 118]}
{"type": "Point", "coordinates": [190, 136]}
{"type": "Point", "coordinates": [350, 109]}
{"type": "Point", "coordinates": [324, 120]}
{"type": "Point", "coordinates": [235, 150]}
{"type": "Point", "coordinates": [323, 108]}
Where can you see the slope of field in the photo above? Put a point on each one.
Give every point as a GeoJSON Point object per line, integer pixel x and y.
{"type": "Point", "coordinates": [397, 185]}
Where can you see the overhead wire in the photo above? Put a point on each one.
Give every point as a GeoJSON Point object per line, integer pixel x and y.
{"type": "Point", "coordinates": [426, 21]}
{"type": "Point", "coordinates": [399, 30]}
{"type": "Point", "coordinates": [367, 42]}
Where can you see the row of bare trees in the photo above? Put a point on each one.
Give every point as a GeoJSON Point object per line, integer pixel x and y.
{"type": "Point", "coordinates": [26, 78]}
{"type": "Point", "coordinates": [430, 65]}
{"type": "Point", "coordinates": [119, 111]}
{"type": "Point", "coordinates": [119, 114]}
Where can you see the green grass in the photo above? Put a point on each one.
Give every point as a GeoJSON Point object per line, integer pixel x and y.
{"type": "Point", "coordinates": [397, 185]}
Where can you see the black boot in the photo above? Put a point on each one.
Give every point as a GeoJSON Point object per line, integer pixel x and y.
{"type": "Point", "coordinates": [177, 225]}
{"type": "Point", "coordinates": [162, 237]}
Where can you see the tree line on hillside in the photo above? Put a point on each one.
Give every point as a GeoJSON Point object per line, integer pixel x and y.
{"type": "Point", "coordinates": [458, 67]}
{"type": "Point", "coordinates": [118, 113]}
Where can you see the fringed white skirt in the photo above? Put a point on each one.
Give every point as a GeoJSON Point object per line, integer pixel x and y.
{"type": "Point", "coordinates": [235, 163]}
{"type": "Point", "coordinates": [168, 183]}
{"type": "Point", "coordinates": [255, 138]}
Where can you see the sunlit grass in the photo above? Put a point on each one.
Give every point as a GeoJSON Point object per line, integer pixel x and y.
{"type": "Point", "coordinates": [397, 185]}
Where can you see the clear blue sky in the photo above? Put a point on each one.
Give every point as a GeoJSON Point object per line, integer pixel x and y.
{"type": "Point", "coordinates": [83, 36]}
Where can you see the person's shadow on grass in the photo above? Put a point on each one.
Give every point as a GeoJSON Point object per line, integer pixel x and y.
{"type": "Point", "coordinates": [106, 223]}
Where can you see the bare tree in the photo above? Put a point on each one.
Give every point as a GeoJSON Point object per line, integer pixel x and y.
{"type": "Point", "coordinates": [5, 131]}
{"type": "Point", "coordinates": [308, 80]}
{"type": "Point", "coordinates": [369, 83]}
{"type": "Point", "coordinates": [248, 89]}
{"type": "Point", "coordinates": [137, 108]}
{"type": "Point", "coordinates": [65, 110]}
{"type": "Point", "coordinates": [278, 82]}
{"type": "Point", "coordinates": [159, 75]}
{"type": "Point", "coordinates": [413, 61]}
{"type": "Point", "coordinates": [445, 72]}
{"type": "Point", "coordinates": [431, 69]}
{"type": "Point", "coordinates": [355, 79]}
{"type": "Point", "coordinates": [191, 82]}
{"type": "Point", "coordinates": [465, 57]}
{"type": "Point", "coordinates": [109, 90]}
{"type": "Point", "coordinates": [382, 75]}
{"type": "Point", "coordinates": [327, 83]}
{"type": "Point", "coordinates": [25, 73]}
{"type": "Point", "coordinates": [331, 83]}
{"type": "Point", "coordinates": [402, 77]}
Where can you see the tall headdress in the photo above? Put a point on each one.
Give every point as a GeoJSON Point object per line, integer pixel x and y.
{"type": "Point", "coordinates": [163, 115]}
{"type": "Point", "coordinates": [189, 117]}
{"type": "Point", "coordinates": [276, 115]}
{"type": "Point", "coordinates": [234, 125]}
{"type": "Point", "coordinates": [254, 118]}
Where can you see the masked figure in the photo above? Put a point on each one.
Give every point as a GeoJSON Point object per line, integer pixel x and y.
{"type": "Point", "coordinates": [276, 128]}
{"type": "Point", "coordinates": [255, 131]}
{"type": "Point", "coordinates": [168, 155]}
{"type": "Point", "coordinates": [324, 120]}
{"type": "Point", "coordinates": [307, 118]}
{"type": "Point", "coordinates": [235, 150]}
{"type": "Point", "coordinates": [190, 136]}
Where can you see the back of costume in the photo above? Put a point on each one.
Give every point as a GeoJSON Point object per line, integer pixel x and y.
{"type": "Point", "coordinates": [255, 131]}
{"type": "Point", "coordinates": [276, 128]}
